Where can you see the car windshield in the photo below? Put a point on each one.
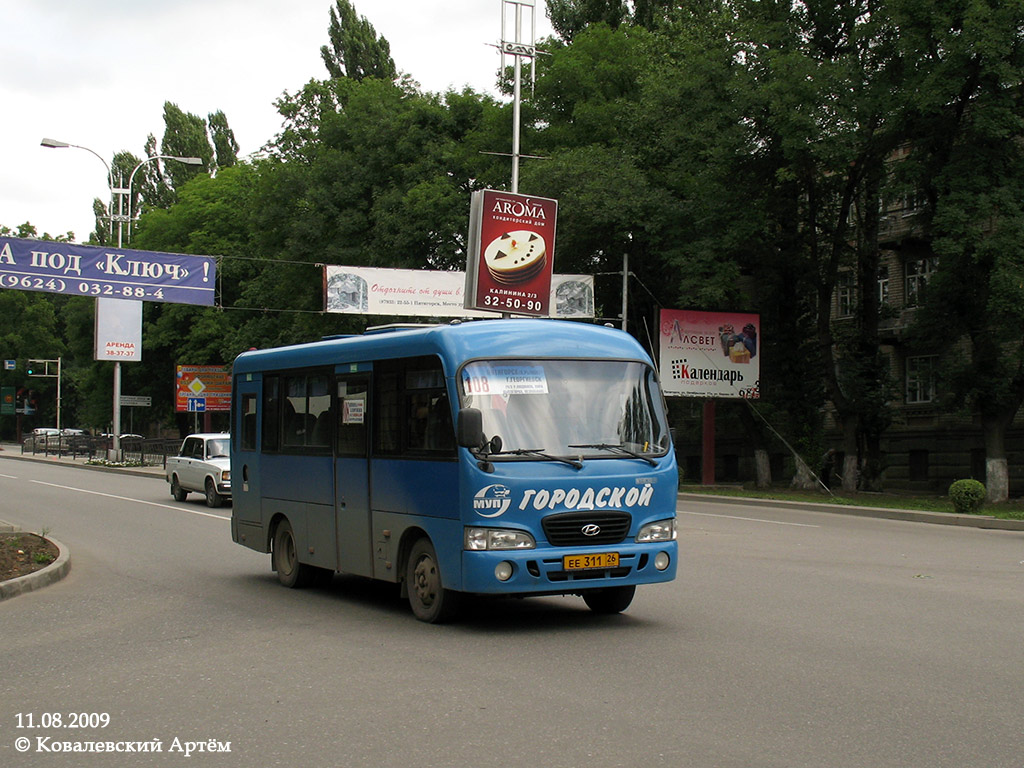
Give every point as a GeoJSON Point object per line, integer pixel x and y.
{"type": "Point", "coordinates": [578, 408]}
{"type": "Point", "coordinates": [215, 448]}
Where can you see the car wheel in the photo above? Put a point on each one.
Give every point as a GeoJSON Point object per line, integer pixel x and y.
{"type": "Point", "coordinates": [429, 600]}
{"type": "Point", "coordinates": [213, 499]}
{"type": "Point", "coordinates": [610, 599]}
{"type": "Point", "coordinates": [290, 572]}
{"type": "Point", "coordinates": [179, 493]}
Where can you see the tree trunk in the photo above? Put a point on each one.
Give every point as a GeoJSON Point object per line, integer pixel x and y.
{"type": "Point", "coordinates": [804, 479]}
{"type": "Point", "coordinates": [997, 476]}
{"type": "Point", "coordinates": [851, 427]}
{"type": "Point", "coordinates": [762, 468]}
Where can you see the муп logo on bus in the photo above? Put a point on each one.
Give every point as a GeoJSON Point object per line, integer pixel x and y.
{"type": "Point", "coordinates": [494, 501]}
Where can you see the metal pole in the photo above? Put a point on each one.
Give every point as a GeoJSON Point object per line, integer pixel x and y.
{"type": "Point", "coordinates": [117, 411]}
{"type": "Point", "coordinates": [58, 394]}
{"type": "Point", "coordinates": [516, 97]}
{"type": "Point", "coordinates": [625, 287]}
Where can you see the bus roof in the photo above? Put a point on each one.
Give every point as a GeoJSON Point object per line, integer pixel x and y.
{"type": "Point", "coordinates": [454, 343]}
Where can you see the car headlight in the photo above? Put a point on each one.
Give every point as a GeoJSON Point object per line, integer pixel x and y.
{"type": "Point", "coordinates": [660, 530]}
{"type": "Point", "coordinates": [226, 475]}
{"type": "Point", "coordinates": [497, 538]}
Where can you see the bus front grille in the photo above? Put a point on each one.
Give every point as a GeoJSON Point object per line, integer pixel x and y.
{"type": "Point", "coordinates": [579, 529]}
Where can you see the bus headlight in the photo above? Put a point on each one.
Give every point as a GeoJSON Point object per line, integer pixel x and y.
{"type": "Point", "coordinates": [660, 530]}
{"type": "Point", "coordinates": [497, 538]}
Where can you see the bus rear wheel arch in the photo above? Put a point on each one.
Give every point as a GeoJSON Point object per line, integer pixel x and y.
{"type": "Point", "coordinates": [285, 558]}
{"type": "Point", "coordinates": [429, 599]}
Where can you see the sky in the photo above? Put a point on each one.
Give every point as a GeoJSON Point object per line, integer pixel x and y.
{"type": "Point", "coordinates": [96, 73]}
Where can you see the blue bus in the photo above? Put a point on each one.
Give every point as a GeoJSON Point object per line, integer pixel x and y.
{"type": "Point", "coordinates": [498, 457]}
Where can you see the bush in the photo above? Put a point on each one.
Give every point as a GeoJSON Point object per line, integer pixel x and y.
{"type": "Point", "coordinates": [967, 496]}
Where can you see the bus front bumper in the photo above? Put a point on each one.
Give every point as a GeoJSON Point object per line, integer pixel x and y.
{"type": "Point", "coordinates": [567, 570]}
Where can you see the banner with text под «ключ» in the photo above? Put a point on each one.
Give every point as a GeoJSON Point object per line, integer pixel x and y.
{"type": "Point", "coordinates": [87, 270]}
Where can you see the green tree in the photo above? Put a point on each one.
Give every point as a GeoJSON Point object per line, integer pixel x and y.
{"type": "Point", "coordinates": [967, 158]}
{"type": "Point", "coordinates": [356, 52]}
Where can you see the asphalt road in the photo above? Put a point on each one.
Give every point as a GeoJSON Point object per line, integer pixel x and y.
{"type": "Point", "coordinates": [790, 638]}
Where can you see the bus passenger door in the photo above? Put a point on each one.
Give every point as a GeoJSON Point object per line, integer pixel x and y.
{"type": "Point", "coordinates": [245, 456]}
{"type": "Point", "coordinates": [351, 467]}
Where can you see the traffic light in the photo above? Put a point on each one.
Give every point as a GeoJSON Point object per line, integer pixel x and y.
{"type": "Point", "coordinates": [31, 368]}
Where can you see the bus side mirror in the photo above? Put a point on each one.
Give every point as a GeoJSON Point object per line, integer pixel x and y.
{"type": "Point", "coordinates": [470, 428]}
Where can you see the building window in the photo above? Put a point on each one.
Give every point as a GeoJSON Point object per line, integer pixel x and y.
{"type": "Point", "coordinates": [921, 379]}
{"type": "Point", "coordinates": [919, 272]}
{"type": "Point", "coordinates": [844, 294]}
{"type": "Point", "coordinates": [883, 284]}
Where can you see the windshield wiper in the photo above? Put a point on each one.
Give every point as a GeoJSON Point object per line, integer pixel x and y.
{"type": "Point", "coordinates": [620, 448]}
{"type": "Point", "coordinates": [537, 452]}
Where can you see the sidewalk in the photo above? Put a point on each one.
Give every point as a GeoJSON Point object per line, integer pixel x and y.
{"type": "Point", "coordinates": [13, 451]}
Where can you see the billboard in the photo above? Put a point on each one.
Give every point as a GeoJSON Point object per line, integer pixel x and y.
{"type": "Point", "coordinates": [511, 253]}
{"type": "Point", "coordinates": [88, 270]}
{"type": "Point", "coordinates": [710, 354]}
{"type": "Point", "coordinates": [424, 293]}
{"type": "Point", "coordinates": [118, 334]}
{"type": "Point", "coordinates": [201, 388]}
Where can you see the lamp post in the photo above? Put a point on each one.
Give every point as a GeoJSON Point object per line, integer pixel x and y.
{"type": "Point", "coordinates": [55, 144]}
{"type": "Point", "coordinates": [131, 179]}
{"type": "Point", "coordinates": [121, 218]}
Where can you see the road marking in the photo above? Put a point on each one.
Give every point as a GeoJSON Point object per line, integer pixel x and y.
{"type": "Point", "coordinates": [128, 498]}
{"type": "Point", "coordinates": [748, 519]}
{"type": "Point", "coordinates": [10, 477]}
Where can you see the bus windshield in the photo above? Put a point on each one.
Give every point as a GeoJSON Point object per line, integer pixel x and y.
{"type": "Point", "coordinates": [577, 408]}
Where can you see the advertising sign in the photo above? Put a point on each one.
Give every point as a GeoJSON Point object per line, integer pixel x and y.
{"type": "Point", "coordinates": [424, 293]}
{"type": "Point", "coordinates": [710, 354]}
{"type": "Point", "coordinates": [7, 402]}
{"type": "Point", "coordinates": [200, 388]}
{"type": "Point", "coordinates": [511, 252]}
{"type": "Point", "coordinates": [87, 270]}
{"type": "Point", "coordinates": [118, 330]}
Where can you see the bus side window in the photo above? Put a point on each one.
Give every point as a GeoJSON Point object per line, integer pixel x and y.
{"type": "Point", "coordinates": [352, 417]}
{"type": "Point", "coordinates": [248, 422]}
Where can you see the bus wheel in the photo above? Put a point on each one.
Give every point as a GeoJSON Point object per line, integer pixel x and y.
{"type": "Point", "coordinates": [213, 499]}
{"type": "Point", "coordinates": [290, 572]}
{"type": "Point", "coordinates": [609, 600]}
{"type": "Point", "coordinates": [430, 601]}
{"type": "Point", "coordinates": [179, 493]}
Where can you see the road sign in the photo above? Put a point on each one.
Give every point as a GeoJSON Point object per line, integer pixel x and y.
{"type": "Point", "coordinates": [196, 405]}
{"type": "Point", "coordinates": [136, 400]}
{"type": "Point", "coordinates": [210, 383]}
{"type": "Point", "coordinates": [10, 365]}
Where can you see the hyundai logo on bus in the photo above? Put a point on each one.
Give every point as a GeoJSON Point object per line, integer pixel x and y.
{"type": "Point", "coordinates": [494, 500]}
{"type": "Point", "coordinates": [590, 529]}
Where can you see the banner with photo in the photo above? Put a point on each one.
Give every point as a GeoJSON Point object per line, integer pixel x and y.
{"type": "Point", "coordinates": [424, 293]}
{"type": "Point", "coordinates": [710, 354]}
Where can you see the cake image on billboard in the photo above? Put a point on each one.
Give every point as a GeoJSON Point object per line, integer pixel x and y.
{"type": "Point", "coordinates": [515, 257]}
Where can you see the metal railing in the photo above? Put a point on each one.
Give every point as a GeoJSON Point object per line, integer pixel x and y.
{"type": "Point", "coordinates": [149, 452]}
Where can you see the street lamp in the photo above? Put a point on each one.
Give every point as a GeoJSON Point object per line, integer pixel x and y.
{"type": "Point", "coordinates": [131, 179]}
{"type": "Point", "coordinates": [55, 144]}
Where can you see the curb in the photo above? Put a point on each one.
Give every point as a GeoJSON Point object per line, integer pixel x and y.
{"type": "Point", "coordinates": [51, 574]}
{"type": "Point", "coordinates": [913, 516]}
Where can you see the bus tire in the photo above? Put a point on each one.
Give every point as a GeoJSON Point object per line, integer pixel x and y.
{"type": "Point", "coordinates": [429, 600]}
{"type": "Point", "coordinates": [179, 493]}
{"type": "Point", "coordinates": [610, 599]}
{"type": "Point", "coordinates": [290, 572]}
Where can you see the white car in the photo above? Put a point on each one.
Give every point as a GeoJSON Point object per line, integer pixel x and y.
{"type": "Point", "coordinates": [203, 465]}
